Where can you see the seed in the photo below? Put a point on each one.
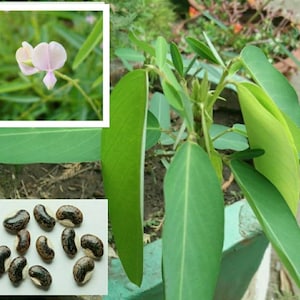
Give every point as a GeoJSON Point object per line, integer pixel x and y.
{"type": "Point", "coordinates": [17, 270]}
{"type": "Point", "coordinates": [69, 215]}
{"type": "Point", "coordinates": [43, 217]}
{"type": "Point", "coordinates": [4, 258]}
{"type": "Point", "coordinates": [17, 222]}
{"type": "Point", "coordinates": [83, 269]}
{"type": "Point", "coordinates": [68, 242]}
{"type": "Point", "coordinates": [40, 276]}
{"type": "Point", "coordinates": [44, 248]}
{"type": "Point", "coordinates": [92, 245]}
{"type": "Point", "coordinates": [23, 241]}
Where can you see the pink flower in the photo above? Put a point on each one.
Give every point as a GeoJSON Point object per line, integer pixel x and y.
{"type": "Point", "coordinates": [24, 59]}
{"type": "Point", "coordinates": [44, 57]}
{"type": "Point", "coordinates": [49, 57]}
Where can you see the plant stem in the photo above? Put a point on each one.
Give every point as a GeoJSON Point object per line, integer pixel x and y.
{"type": "Point", "coordinates": [81, 91]}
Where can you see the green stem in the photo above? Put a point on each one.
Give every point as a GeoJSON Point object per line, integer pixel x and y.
{"type": "Point", "coordinates": [205, 130]}
{"type": "Point", "coordinates": [81, 91]}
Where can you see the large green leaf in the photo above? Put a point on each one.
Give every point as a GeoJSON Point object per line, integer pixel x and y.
{"type": "Point", "coordinates": [267, 130]}
{"type": "Point", "coordinates": [274, 215]}
{"type": "Point", "coordinates": [122, 155]}
{"type": "Point", "coordinates": [272, 81]}
{"type": "Point", "coordinates": [90, 43]}
{"type": "Point", "coordinates": [49, 145]}
{"type": "Point", "coordinates": [194, 225]}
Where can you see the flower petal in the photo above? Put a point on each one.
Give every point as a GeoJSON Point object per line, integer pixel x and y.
{"type": "Point", "coordinates": [23, 57]}
{"type": "Point", "coordinates": [49, 57]}
{"type": "Point", "coordinates": [49, 80]}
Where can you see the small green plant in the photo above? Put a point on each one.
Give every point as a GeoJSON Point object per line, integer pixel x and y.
{"type": "Point", "coordinates": [194, 206]}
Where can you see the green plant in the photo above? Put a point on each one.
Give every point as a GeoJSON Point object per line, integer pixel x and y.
{"type": "Point", "coordinates": [24, 97]}
{"type": "Point", "coordinates": [194, 206]}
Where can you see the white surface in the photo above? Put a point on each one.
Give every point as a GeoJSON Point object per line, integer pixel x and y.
{"type": "Point", "coordinates": [95, 221]}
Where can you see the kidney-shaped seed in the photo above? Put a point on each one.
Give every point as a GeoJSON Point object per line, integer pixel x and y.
{"type": "Point", "coordinates": [17, 222]}
{"type": "Point", "coordinates": [4, 256]}
{"type": "Point", "coordinates": [82, 270]}
{"type": "Point", "coordinates": [44, 248]}
{"type": "Point", "coordinates": [92, 246]}
{"type": "Point", "coordinates": [17, 270]}
{"type": "Point", "coordinates": [68, 241]}
{"type": "Point", "coordinates": [43, 217]}
{"type": "Point", "coordinates": [23, 241]}
{"type": "Point", "coordinates": [40, 276]}
{"type": "Point", "coordinates": [69, 215]}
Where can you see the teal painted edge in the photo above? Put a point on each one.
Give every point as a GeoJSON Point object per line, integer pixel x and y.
{"type": "Point", "coordinates": [119, 286]}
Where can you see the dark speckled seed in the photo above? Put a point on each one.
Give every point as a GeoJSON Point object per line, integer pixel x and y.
{"type": "Point", "coordinates": [40, 276]}
{"type": "Point", "coordinates": [4, 255]}
{"type": "Point", "coordinates": [44, 249]}
{"type": "Point", "coordinates": [68, 242]}
{"type": "Point", "coordinates": [17, 222]}
{"type": "Point", "coordinates": [16, 270]}
{"type": "Point", "coordinates": [92, 246]}
{"type": "Point", "coordinates": [69, 215]}
{"type": "Point", "coordinates": [82, 270]}
{"type": "Point", "coordinates": [23, 241]}
{"type": "Point", "coordinates": [43, 218]}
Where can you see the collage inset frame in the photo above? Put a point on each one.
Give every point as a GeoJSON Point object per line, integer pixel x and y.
{"type": "Point", "coordinates": [69, 6]}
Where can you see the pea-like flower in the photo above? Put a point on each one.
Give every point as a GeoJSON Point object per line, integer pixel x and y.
{"type": "Point", "coordinates": [24, 59]}
{"type": "Point", "coordinates": [44, 57]}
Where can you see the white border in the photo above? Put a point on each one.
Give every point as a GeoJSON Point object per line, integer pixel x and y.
{"type": "Point", "coordinates": [69, 6]}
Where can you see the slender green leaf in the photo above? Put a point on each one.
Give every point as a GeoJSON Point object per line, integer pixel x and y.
{"type": "Point", "coordinates": [161, 48]}
{"type": "Point", "coordinates": [272, 82]}
{"type": "Point", "coordinates": [176, 58]}
{"type": "Point", "coordinates": [274, 215]}
{"type": "Point", "coordinates": [19, 98]}
{"type": "Point", "coordinates": [247, 154]}
{"type": "Point", "coordinates": [194, 224]}
{"type": "Point", "coordinates": [13, 86]}
{"type": "Point", "coordinates": [202, 50]}
{"type": "Point", "coordinates": [90, 43]}
{"type": "Point", "coordinates": [122, 152]}
{"type": "Point", "coordinates": [213, 50]}
{"type": "Point", "coordinates": [268, 130]}
{"type": "Point", "coordinates": [49, 145]}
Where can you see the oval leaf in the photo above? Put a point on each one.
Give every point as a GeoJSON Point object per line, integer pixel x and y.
{"type": "Point", "coordinates": [272, 82]}
{"type": "Point", "coordinates": [194, 225]}
{"type": "Point", "coordinates": [268, 131]}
